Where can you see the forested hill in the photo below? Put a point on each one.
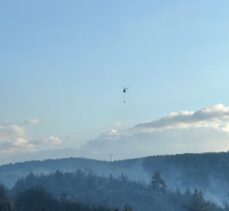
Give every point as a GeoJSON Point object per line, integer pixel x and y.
{"type": "Point", "coordinates": [88, 188]}
{"type": "Point", "coordinates": [208, 171]}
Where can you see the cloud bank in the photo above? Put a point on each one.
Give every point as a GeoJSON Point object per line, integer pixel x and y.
{"type": "Point", "coordinates": [203, 130]}
{"type": "Point", "coordinates": [15, 139]}
{"type": "Point", "coordinates": [215, 117]}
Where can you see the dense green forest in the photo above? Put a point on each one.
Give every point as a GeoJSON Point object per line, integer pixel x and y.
{"type": "Point", "coordinates": [87, 191]}
{"type": "Point", "coordinates": [38, 199]}
{"type": "Point", "coordinates": [127, 182]}
{"type": "Point", "coordinates": [179, 170]}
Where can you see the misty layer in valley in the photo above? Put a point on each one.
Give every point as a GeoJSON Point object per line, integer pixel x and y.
{"type": "Point", "coordinates": [180, 182]}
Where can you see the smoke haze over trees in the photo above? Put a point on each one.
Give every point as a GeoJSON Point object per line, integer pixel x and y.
{"type": "Point", "coordinates": [180, 182]}
{"type": "Point", "coordinates": [87, 191]}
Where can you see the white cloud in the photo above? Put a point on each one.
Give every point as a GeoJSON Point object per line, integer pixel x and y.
{"type": "Point", "coordinates": [52, 140]}
{"type": "Point", "coordinates": [15, 138]}
{"type": "Point", "coordinates": [114, 130]}
{"type": "Point", "coordinates": [215, 117]}
{"type": "Point", "coordinates": [11, 131]}
{"type": "Point", "coordinates": [20, 142]}
{"type": "Point", "coordinates": [33, 121]}
{"type": "Point", "coordinates": [203, 130]}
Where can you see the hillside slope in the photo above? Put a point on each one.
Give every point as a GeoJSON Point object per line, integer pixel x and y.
{"type": "Point", "coordinates": [208, 171]}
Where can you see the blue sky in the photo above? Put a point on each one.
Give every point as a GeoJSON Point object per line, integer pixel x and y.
{"type": "Point", "coordinates": [65, 62]}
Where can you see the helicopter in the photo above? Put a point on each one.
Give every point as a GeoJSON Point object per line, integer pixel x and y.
{"type": "Point", "coordinates": [124, 91]}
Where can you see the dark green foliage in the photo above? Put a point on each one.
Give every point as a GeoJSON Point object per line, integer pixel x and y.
{"type": "Point", "coordinates": [88, 187]}
{"type": "Point", "coordinates": [197, 202]}
{"type": "Point", "coordinates": [127, 208]}
{"type": "Point", "coordinates": [157, 185]}
{"type": "Point", "coordinates": [208, 172]}
{"type": "Point", "coordinates": [179, 171]}
{"type": "Point", "coordinates": [5, 203]}
{"type": "Point", "coordinates": [110, 192]}
{"type": "Point", "coordinates": [37, 199]}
